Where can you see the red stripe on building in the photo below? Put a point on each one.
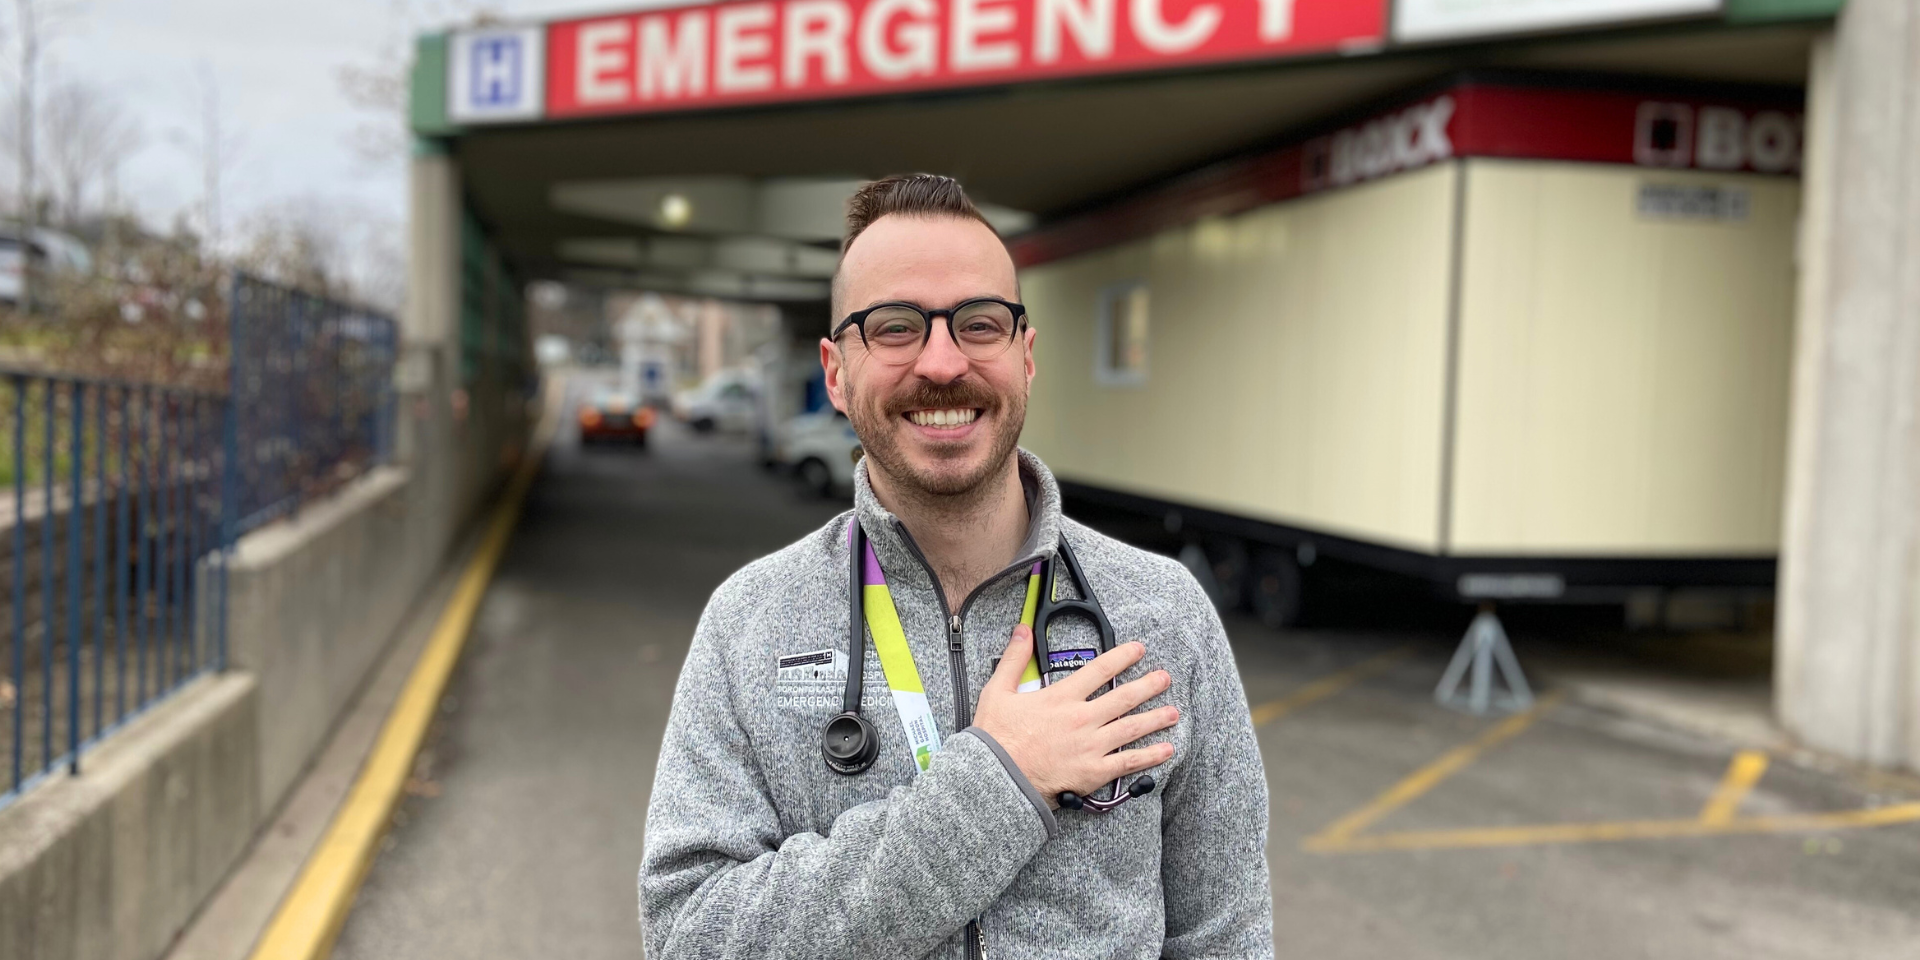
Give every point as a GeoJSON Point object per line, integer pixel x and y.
{"type": "Point", "coordinates": [1759, 134]}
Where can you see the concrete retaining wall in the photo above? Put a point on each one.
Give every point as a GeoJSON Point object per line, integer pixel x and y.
{"type": "Point", "coordinates": [312, 604]}
{"type": "Point", "coordinates": [112, 864]}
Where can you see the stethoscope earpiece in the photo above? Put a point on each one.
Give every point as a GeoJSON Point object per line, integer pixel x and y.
{"type": "Point", "coordinates": [849, 743]}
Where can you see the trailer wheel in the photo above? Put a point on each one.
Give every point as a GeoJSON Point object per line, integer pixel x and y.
{"type": "Point", "coordinates": [1275, 587]}
{"type": "Point", "coordinates": [1220, 565]}
{"type": "Point", "coordinates": [1194, 558]}
{"type": "Point", "coordinates": [1230, 562]}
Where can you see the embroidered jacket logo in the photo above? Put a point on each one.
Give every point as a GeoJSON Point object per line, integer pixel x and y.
{"type": "Point", "coordinates": [811, 679]}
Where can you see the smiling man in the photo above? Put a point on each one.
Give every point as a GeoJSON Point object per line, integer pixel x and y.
{"type": "Point", "coordinates": [1099, 800]}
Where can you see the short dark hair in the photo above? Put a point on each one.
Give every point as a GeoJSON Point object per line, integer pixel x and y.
{"type": "Point", "coordinates": [908, 195]}
{"type": "Point", "coordinates": [912, 195]}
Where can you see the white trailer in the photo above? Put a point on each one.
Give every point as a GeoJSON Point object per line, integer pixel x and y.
{"type": "Point", "coordinates": [1521, 337]}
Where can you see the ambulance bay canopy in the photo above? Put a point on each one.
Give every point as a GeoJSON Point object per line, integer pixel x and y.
{"type": "Point", "coordinates": [708, 148]}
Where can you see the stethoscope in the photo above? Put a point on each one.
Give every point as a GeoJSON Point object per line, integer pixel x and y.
{"type": "Point", "coordinates": [851, 744]}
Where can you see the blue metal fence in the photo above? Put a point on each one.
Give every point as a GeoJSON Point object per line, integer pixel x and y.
{"type": "Point", "coordinates": [313, 383]}
{"type": "Point", "coordinates": [126, 498]}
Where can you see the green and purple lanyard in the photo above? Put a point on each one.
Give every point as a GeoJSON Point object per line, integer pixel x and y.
{"type": "Point", "coordinates": [896, 657]}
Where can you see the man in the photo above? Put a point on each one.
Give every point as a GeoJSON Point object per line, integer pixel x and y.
{"type": "Point", "coordinates": [953, 843]}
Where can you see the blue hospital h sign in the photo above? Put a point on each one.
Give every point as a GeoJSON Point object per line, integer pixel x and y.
{"type": "Point", "coordinates": [495, 70]}
{"type": "Point", "coordinates": [497, 74]}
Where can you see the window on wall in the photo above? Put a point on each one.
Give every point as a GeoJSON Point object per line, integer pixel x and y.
{"type": "Point", "coordinates": [1121, 329]}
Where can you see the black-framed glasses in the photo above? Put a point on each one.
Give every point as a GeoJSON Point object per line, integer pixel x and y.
{"type": "Point", "coordinates": [895, 333]}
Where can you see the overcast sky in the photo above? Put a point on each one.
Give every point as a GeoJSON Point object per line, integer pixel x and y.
{"type": "Point", "coordinates": [277, 65]}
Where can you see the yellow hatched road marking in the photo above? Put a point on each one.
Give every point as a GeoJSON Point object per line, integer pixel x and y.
{"type": "Point", "coordinates": [1328, 685]}
{"type": "Point", "coordinates": [1343, 830]}
{"type": "Point", "coordinates": [1719, 818]}
{"type": "Point", "coordinates": [1743, 773]}
{"type": "Point", "coordinates": [1563, 833]}
{"type": "Point", "coordinates": [308, 920]}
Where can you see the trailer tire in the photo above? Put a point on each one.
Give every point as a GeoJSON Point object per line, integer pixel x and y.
{"type": "Point", "coordinates": [1220, 567]}
{"type": "Point", "coordinates": [1194, 558]}
{"type": "Point", "coordinates": [1275, 588]}
{"type": "Point", "coordinates": [1230, 562]}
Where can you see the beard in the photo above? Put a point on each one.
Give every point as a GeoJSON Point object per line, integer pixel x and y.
{"type": "Point", "coordinates": [949, 475]}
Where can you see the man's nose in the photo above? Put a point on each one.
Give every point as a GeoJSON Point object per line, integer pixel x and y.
{"type": "Point", "coordinates": [941, 360]}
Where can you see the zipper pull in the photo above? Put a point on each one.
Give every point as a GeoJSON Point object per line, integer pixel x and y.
{"type": "Point", "coordinates": [980, 940]}
{"type": "Point", "coordinates": [953, 634]}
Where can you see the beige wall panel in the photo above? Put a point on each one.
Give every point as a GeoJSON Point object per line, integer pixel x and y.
{"type": "Point", "coordinates": [1295, 366]}
{"type": "Point", "coordinates": [1623, 380]}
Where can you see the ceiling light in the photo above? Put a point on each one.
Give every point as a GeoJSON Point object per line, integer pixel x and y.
{"type": "Point", "coordinates": [675, 211]}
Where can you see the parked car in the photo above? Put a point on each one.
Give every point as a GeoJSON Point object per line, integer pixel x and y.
{"type": "Point", "coordinates": [724, 401]}
{"type": "Point", "coordinates": [820, 448]}
{"type": "Point", "coordinates": [610, 414]}
{"type": "Point", "coordinates": [52, 253]}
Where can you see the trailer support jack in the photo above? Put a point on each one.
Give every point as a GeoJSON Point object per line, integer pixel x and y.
{"type": "Point", "coordinates": [1484, 649]}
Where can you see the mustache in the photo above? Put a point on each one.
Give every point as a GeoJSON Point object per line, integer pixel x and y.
{"type": "Point", "coordinates": [960, 393]}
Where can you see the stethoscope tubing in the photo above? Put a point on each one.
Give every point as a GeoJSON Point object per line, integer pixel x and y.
{"type": "Point", "coordinates": [859, 742]}
{"type": "Point", "coordinates": [1086, 606]}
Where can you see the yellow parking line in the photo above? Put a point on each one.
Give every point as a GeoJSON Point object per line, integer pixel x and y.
{"type": "Point", "coordinates": [1327, 686]}
{"type": "Point", "coordinates": [1342, 831]}
{"type": "Point", "coordinates": [1743, 773]}
{"type": "Point", "coordinates": [309, 919]}
{"type": "Point", "coordinates": [1563, 833]}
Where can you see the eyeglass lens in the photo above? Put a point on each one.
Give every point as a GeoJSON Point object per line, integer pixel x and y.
{"type": "Point", "coordinates": [983, 331]}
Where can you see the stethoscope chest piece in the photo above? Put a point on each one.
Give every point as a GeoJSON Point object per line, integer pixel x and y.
{"type": "Point", "coordinates": [849, 743]}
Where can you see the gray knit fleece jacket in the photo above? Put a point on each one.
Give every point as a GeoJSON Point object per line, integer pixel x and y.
{"type": "Point", "coordinates": [754, 849]}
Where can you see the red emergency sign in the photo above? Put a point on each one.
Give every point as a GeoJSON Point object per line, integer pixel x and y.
{"type": "Point", "coordinates": [760, 51]}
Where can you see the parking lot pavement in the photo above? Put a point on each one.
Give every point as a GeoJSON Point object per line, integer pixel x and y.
{"type": "Point", "coordinates": [1398, 829]}
{"type": "Point", "coordinates": [1401, 829]}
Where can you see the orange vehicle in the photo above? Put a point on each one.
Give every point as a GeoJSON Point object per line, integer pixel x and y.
{"type": "Point", "coordinates": [611, 415]}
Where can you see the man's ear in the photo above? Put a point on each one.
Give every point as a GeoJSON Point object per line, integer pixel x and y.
{"type": "Point", "coordinates": [1031, 369]}
{"type": "Point", "coordinates": [835, 366]}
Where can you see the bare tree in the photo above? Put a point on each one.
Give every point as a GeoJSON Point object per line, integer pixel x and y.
{"type": "Point", "coordinates": [28, 26]}
{"type": "Point", "coordinates": [302, 242]}
{"type": "Point", "coordinates": [215, 145]}
{"type": "Point", "coordinates": [85, 136]}
{"type": "Point", "coordinates": [381, 85]}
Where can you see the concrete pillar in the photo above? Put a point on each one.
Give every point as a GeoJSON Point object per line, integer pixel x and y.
{"type": "Point", "coordinates": [430, 444]}
{"type": "Point", "coordinates": [1848, 659]}
{"type": "Point", "coordinates": [433, 267]}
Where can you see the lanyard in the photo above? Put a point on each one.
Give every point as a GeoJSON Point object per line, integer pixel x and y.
{"type": "Point", "coordinates": [896, 658]}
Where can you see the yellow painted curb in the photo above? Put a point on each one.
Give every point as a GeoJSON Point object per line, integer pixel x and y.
{"type": "Point", "coordinates": [309, 919]}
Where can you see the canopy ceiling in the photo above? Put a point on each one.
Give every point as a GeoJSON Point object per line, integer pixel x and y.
{"type": "Point", "coordinates": [758, 191]}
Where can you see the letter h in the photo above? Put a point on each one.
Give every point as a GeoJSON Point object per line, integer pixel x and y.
{"type": "Point", "coordinates": [496, 71]}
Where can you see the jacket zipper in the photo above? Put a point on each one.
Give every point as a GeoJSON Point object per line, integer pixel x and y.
{"type": "Point", "coordinates": [976, 940]}
{"type": "Point", "coordinates": [956, 647]}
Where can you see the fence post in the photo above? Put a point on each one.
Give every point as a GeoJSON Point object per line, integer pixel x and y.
{"type": "Point", "coordinates": [76, 438]}
{"type": "Point", "coordinates": [47, 623]}
{"type": "Point", "coordinates": [19, 572]}
{"type": "Point", "coordinates": [99, 619]}
{"type": "Point", "coordinates": [229, 457]}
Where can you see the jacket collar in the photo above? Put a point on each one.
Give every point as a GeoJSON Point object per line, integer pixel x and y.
{"type": "Point", "coordinates": [899, 560]}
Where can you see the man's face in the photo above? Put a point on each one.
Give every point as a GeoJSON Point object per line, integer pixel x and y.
{"type": "Point", "coordinates": [934, 263]}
